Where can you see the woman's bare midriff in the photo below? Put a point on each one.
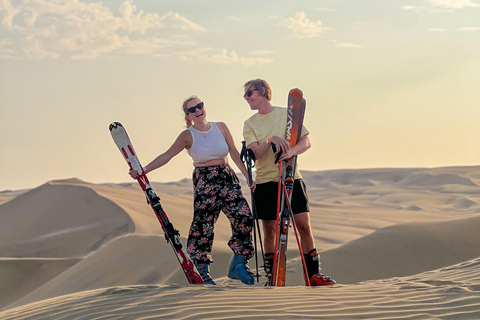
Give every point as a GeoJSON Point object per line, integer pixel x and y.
{"type": "Point", "coordinates": [213, 162]}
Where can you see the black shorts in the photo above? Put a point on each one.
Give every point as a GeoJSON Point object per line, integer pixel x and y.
{"type": "Point", "coordinates": [266, 195]}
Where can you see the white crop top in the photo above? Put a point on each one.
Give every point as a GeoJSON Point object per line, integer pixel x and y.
{"type": "Point", "coordinates": [207, 145]}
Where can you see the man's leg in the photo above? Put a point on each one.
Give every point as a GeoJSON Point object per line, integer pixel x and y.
{"type": "Point", "coordinates": [266, 205]}
{"type": "Point", "coordinates": [312, 259]}
{"type": "Point", "coordinates": [269, 230]}
{"type": "Point", "coordinates": [302, 220]}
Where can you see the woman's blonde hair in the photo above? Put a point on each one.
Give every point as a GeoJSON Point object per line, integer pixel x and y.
{"type": "Point", "coordinates": [184, 108]}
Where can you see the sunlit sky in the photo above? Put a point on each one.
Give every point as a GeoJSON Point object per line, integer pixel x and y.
{"type": "Point", "coordinates": [387, 83]}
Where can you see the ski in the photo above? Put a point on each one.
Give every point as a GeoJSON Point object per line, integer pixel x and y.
{"type": "Point", "coordinates": [295, 114]}
{"type": "Point", "coordinates": [120, 136]}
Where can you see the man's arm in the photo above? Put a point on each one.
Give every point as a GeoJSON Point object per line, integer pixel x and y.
{"type": "Point", "coordinates": [302, 146]}
{"type": "Point", "coordinates": [261, 148]}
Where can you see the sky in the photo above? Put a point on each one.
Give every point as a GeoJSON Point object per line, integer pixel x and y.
{"type": "Point", "coordinates": [387, 83]}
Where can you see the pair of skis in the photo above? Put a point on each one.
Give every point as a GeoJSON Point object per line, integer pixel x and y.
{"type": "Point", "coordinates": [120, 136]}
{"type": "Point", "coordinates": [295, 114]}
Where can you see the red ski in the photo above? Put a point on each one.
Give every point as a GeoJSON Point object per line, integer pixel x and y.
{"type": "Point", "coordinates": [295, 114]}
{"type": "Point", "coordinates": [172, 235]}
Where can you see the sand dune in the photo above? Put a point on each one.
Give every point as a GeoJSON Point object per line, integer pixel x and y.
{"type": "Point", "coordinates": [59, 221]}
{"type": "Point", "coordinates": [402, 244]}
{"type": "Point", "coordinates": [448, 293]}
{"type": "Point", "coordinates": [127, 260]}
{"type": "Point", "coordinates": [19, 276]}
{"type": "Point", "coordinates": [404, 249]}
{"type": "Point", "coordinates": [8, 195]}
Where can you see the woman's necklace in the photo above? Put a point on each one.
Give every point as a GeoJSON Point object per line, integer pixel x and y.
{"type": "Point", "coordinates": [205, 133]}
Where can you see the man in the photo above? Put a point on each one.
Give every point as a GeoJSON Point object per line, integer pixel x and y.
{"type": "Point", "coordinates": [260, 131]}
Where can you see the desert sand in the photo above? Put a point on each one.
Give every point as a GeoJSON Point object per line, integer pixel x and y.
{"type": "Point", "coordinates": [401, 244]}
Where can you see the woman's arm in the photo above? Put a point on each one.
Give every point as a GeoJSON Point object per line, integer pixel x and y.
{"type": "Point", "coordinates": [234, 154]}
{"type": "Point", "coordinates": [183, 141]}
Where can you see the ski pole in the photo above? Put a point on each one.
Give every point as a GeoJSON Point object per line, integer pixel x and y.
{"type": "Point", "coordinates": [248, 157]}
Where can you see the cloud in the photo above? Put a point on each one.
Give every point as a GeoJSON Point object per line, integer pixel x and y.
{"type": "Point", "coordinates": [412, 8]}
{"type": "Point", "coordinates": [452, 4]}
{"type": "Point", "coordinates": [275, 17]}
{"type": "Point", "coordinates": [469, 29]}
{"type": "Point", "coordinates": [175, 20]}
{"type": "Point", "coordinates": [326, 9]}
{"type": "Point", "coordinates": [80, 30]}
{"type": "Point", "coordinates": [41, 29]}
{"type": "Point", "coordinates": [6, 53]}
{"type": "Point", "coordinates": [236, 18]}
{"type": "Point", "coordinates": [48, 29]}
{"type": "Point", "coordinates": [222, 57]}
{"type": "Point", "coordinates": [7, 14]}
{"type": "Point", "coordinates": [442, 4]}
{"type": "Point", "coordinates": [437, 30]}
{"type": "Point", "coordinates": [263, 52]}
{"type": "Point", "coordinates": [302, 27]}
{"type": "Point", "coordinates": [347, 45]}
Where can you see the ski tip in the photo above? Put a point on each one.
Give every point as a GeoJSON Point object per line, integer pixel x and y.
{"type": "Point", "coordinates": [294, 95]}
{"type": "Point", "coordinates": [296, 92]}
{"type": "Point", "coordinates": [114, 125]}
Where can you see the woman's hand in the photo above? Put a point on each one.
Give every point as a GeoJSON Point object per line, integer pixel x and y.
{"type": "Point", "coordinates": [134, 174]}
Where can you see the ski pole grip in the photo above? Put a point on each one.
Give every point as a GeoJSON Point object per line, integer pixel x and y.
{"type": "Point", "coordinates": [245, 156]}
{"type": "Point", "coordinates": [278, 155]}
{"type": "Point", "coordinates": [251, 156]}
{"type": "Point", "coordinates": [243, 153]}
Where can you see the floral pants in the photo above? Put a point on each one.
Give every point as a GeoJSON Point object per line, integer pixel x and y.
{"type": "Point", "coordinates": [216, 189]}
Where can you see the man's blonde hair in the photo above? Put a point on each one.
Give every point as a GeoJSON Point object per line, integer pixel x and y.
{"type": "Point", "coordinates": [262, 86]}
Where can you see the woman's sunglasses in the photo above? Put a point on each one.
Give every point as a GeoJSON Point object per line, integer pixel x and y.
{"type": "Point", "coordinates": [193, 109]}
{"type": "Point", "coordinates": [249, 93]}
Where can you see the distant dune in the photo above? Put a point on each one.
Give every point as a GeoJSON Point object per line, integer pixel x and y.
{"type": "Point", "coordinates": [401, 243]}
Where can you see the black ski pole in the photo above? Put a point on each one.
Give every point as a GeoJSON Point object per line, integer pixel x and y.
{"type": "Point", "coordinates": [248, 157]}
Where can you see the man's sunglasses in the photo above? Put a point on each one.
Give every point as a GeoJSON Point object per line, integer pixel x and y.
{"type": "Point", "coordinates": [249, 93]}
{"type": "Point", "coordinates": [193, 109]}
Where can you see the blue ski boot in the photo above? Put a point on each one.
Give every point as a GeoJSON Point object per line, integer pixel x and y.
{"type": "Point", "coordinates": [239, 270]}
{"type": "Point", "coordinates": [204, 270]}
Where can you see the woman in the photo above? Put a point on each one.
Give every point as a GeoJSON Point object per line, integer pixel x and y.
{"type": "Point", "coordinates": [216, 188]}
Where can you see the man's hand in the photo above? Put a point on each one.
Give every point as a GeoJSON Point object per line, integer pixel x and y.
{"type": "Point", "coordinates": [286, 155]}
{"type": "Point", "coordinates": [282, 145]}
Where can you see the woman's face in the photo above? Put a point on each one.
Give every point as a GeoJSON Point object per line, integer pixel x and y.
{"type": "Point", "coordinates": [196, 110]}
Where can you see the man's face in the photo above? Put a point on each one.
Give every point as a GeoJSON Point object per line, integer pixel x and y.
{"type": "Point", "coordinates": [252, 96]}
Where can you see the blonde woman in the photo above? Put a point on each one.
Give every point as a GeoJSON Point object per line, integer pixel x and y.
{"type": "Point", "coordinates": [216, 188]}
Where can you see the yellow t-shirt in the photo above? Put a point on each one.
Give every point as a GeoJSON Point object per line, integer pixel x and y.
{"type": "Point", "coordinates": [260, 127]}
